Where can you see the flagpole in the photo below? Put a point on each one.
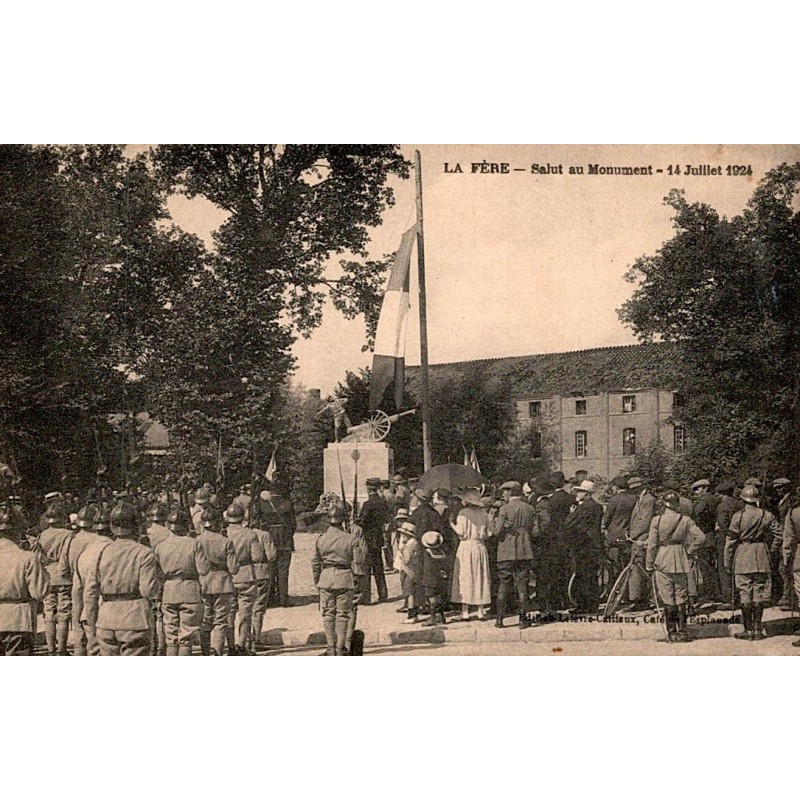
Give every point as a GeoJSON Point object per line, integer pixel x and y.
{"type": "Point", "coordinates": [423, 324]}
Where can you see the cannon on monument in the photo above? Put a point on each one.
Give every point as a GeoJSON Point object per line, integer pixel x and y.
{"type": "Point", "coordinates": [374, 429]}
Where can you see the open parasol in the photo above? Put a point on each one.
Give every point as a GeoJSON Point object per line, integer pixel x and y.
{"type": "Point", "coordinates": [450, 476]}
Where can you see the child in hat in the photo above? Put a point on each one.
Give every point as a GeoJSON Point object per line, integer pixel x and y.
{"type": "Point", "coordinates": [408, 559]}
{"type": "Point", "coordinates": [435, 576]}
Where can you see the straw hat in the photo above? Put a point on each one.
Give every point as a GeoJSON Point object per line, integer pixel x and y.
{"type": "Point", "coordinates": [471, 497]}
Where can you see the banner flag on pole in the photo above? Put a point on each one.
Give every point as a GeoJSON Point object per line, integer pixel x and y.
{"type": "Point", "coordinates": [473, 461]}
{"type": "Point", "coordinates": [388, 361]}
{"type": "Point", "coordinates": [272, 468]}
{"type": "Point", "coordinates": [467, 462]}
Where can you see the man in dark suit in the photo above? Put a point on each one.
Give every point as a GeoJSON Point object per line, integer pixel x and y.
{"type": "Point", "coordinates": [561, 501]}
{"type": "Point", "coordinates": [372, 518]}
{"type": "Point", "coordinates": [585, 544]}
{"type": "Point", "coordinates": [617, 521]}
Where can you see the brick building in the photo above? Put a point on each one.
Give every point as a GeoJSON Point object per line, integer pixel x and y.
{"type": "Point", "coordinates": [593, 409]}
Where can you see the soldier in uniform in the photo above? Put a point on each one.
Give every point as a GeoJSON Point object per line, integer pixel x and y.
{"type": "Point", "coordinates": [726, 508]}
{"type": "Point", "coordinates": [182, 561]}
{"type": "Point", "coordinates": [672, 541]}
{"type": "Point", "coordinates": [126, 578]}
{"type": "Point", "coordinates": [24, 582]}
{"type": "Point", "coordinates": [373, 517]}
{"type": "Point", "coordinates": [641, 516]}
{"type": "Point", "coordinates": [333, 576]}
{"type": "Point", "coordinates": [747, 557]}
{"type": "Point", "coordinates": [69, 561]}
{"type": "Point", "coordinates": [217, 586]}
{"type": "Point", "coordinates": [202, 499]}
{"type": "Point", "coordinates": [84, 566]}
{"type": "Point", "coordinates": [791, 552]}
{"type": "Point", "coordinates": [277, 516]}
{"type": "Point", "coordinates": [249, 552]}
{"type": "Point", "coordinates": [264, 572]}
{"type": "Point", "coordinates": [516, 527]}
{"type": "Point", "coordinates": [52, 542]}
{"type": "Point", "coordinates": [704, 513]}
{"type": "Point", "coordinates": [156, 515]}
{"type": "Point", "coordinates": [781, 573]}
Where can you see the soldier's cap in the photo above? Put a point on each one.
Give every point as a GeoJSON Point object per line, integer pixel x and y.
{"type": "Point", "coordinates": [55, 513]}
{"type": "Point", "coordinates": [178, 521]}
{"type": "Point", "coordinates": [374, 483]}
{"type": "Point", "coordinates": [202, 496]}
{"type": "Point", "coordinates": [103, 522]}
{"type": "Point", "coordinates": [52, 496]}
{"type": "Point", "coordinates": [753, 482]}
{"type": "Point", "coordinates": [621, 482]}
{"type": "Point", "coordinates": [398, 478]}
{"type": "Point", "coordinates": [432, 539]}
{"type": "Point", "coordinates": [123, 519]}
{"type": "Point", "coordinates": [515, 487]}
{"type": "Point", "coordinates": [724, 487]}
{"type": "Point", "coordinates": [234, 512]}
{"type": "Point", "coordinates": [701, 482]}
{"type": "Point", "coordinates": [780, 482]}
{"type": "Point", "coordinates": [87, 516]}
{"type": "Point", "coordinates": [750, 493]}
{"type": "Point", "coordinates": [408, 527]}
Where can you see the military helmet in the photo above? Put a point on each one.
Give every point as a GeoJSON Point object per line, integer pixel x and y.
{"type": "Point", "coordinates": [671, 499]}
{"type": "Point", "coordinates": [178, 521]}
{"type": "Point", "coordinates": [157, 512]}
{"type": "Point", "coordinates": [103, 522]}
{"type": "Point", "coordinates": [336, 514]}
{"type": "Point", "coordinates": [211, 519]}
{"type": "Point", "coordinates": [750, 493]}
{"type": "Point", "coordinates": [123, 519]}
{"type": "Point", "coordinates": [202, 496]}
{"type": "Point", "coordinates": [55, 514]}
{"type": "Point", "coordinates": [87, 516]}
{"type": "Point", "coordinates": [234, 512]}
{"type": "Point", "coordinates": [5, 519]}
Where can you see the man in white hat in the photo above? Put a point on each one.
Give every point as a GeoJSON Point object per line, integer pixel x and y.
{"type": "Point", "coordinates": [585, 543]}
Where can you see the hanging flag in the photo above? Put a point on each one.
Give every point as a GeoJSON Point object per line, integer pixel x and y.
{"type": "Point", "coordinates": [473, 461]}
{"type": "Point", "coordinates": [467, 462]}
{"type": "Point", "coordinates": [272, 468]}
{"type": "Point", "coordinates": [388, 361]}
{"type": "Point", "coordinates": [220, 477]}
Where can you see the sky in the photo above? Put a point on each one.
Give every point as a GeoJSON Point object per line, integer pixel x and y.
{"type": "Point", "coordinates": [524, 263]}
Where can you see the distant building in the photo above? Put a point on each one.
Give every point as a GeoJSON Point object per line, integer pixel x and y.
{"type": "Point", "coordinates": [593, 409]}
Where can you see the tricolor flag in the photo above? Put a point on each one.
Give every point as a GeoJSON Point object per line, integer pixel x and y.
{"type": "Point", "coordinates": [272, 468]}
{"type": "Point", "coordinates": [388, 362]}
{"type": "Point", "coordinates": [473, 461]}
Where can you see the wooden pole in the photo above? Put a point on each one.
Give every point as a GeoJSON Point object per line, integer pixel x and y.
{"type": "Point", "coordinates": [423, 324]}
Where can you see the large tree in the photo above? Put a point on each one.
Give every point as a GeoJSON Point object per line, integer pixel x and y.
{"type": "Point", "coordinates": [728, 291]}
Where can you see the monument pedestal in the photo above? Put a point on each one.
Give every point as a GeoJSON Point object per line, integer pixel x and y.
{"type": "Point", "coordinates": [375, 460]}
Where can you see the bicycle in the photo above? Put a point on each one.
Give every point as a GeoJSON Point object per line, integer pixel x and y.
{"type": "Point", "coordinates": [617, 592]}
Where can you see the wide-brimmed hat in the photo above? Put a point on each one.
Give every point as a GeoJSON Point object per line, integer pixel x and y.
{"type": "Point", "coordinates": [401, 514]}
{"type": "Point", "coordinates": [780, 482]}
{"type": "Point", "coordinates": [635, 482]}
{"type": "Point", "coordinates": [408, 527]}
{"type": "Point", "coordinates": [423, 494]}
{"type": "Point", "coordinates": [398, 478]}
{"type": "Point", "coordinates": [432, 539]}
{"type": "Point", "coordinates": [374, 482]}
{"type": "Point", "coordinates": [472, 497]}
{"type": "Point", "coordinates": [585, 486]}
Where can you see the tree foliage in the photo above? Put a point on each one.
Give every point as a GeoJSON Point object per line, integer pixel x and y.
{"type": "Point", "coordinates": [728, 291]}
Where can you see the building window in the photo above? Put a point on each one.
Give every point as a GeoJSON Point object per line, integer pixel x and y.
{"type": "Point", "coordinates": [629, 442]}
{"type": "Point", "coordinates": [580, 407]}
{"type": "Point", "coordinates": [580, 444]}
{"type": "Point", "coordinates": [628, 403]}
{"type": "Point", "coordinates": [535, 409]}
{"type": "Point", "coordinates": [678, 400]}
{"type": "Point", "coordinates": [679, 439]}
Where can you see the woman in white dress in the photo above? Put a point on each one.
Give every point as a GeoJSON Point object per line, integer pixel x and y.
{"type": "Point", "coordinates": [471, 585]}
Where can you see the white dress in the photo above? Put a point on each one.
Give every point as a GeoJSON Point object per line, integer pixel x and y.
{"type": "Point", "coordinates": [471, 582]}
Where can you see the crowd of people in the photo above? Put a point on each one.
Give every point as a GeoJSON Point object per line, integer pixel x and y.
{"type": "Point", "coordinates": [142, 574]}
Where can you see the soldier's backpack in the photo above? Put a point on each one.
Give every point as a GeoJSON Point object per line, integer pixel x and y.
{"type": "Point", "coordinates": [357, 643]}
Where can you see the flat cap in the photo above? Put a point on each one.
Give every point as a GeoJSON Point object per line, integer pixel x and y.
{"type": "Point", "coordinates": [780, 482]}
{"type": "Point", "coordinates": [701, 482]}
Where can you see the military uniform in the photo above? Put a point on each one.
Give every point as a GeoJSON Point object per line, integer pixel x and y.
{"type": "Point", "coordinates": [264, 571]}
{"type": "Point", "coordinates": [249, 552]}
{"type": "Point", "coordinates": [333, 576]}
{"type": "Point", "coordinates": [24, 582]}
{"type": "Point", "coordinates": [671, 542]}
{"type": "Point", "coordinates": [641, 517]}
{"type": "Point", "coordinates": [69, 563]}
{"type": "Point", "coordinates": [789, 549]}
{"type": "Point", "coordinates": [182, 561]}
{"type": "Point", "coordinates": [217, 590]}
{"type": "Point", "coordinates": [126, 579]}
{"type": "Point", "coordinates": [52, 541]}
{"type": "Point", "coordinates": [747, 557]}
{"type": "Point", "coordinates": [726, 508]}
{"type": "Point", "coordinates": [515, 526]}
{"type": "Point", "coordinates": [277, 516]}
{"type": "Point", "coordinates": [704, 513]}
{"type": "Point", "coordinates": [85, 565]}
{"type": "Point", "coordinates": [360, 579]}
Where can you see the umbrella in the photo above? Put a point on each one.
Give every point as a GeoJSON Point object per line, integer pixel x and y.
{"type": "Point", "coordinates": [450, 476]}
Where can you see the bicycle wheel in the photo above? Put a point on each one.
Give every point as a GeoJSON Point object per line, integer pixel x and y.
{"type": "Point", "coordinates": [570, 585]}
{"type": "Point", "coordinates": [617, 592]}
{"type": "Point", "coordinates": [605, 579]}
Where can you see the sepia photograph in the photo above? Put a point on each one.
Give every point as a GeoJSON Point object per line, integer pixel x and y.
{"type": "Point", "coordinates": [400, 400]}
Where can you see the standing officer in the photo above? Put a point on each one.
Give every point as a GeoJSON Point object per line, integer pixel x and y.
{"type": "Point", "coordinates": [747, 557]}
{"type": "Point", "coordinates": [264, 572]}
{"type": "Point", "coordinates": [373, 517]}
{"type": "Point", "coordinates": [52, 542]}
{"type": "Point", "coordinates": [217, 586]}
{"type": "Point", "coordinates": [23, 583]}
{"type": "Point", "coordinates": [157, 514]}
{"type": "Point", "coordinates": [202, 499]}
{"type": "Point", "coordinates": [249, 552]}
{"type": "Point", "coordinates": [671, 543]}
{"type": "Point", "coordinates": [277, 516]}
{"type": "Point", "coordinates": [583, 526]}
{"type": "Point", "coordinates": [333, 576]}
{"type": "Point", "coordinates": [85, 565]}
{"type": "Point", "coordinates": [516, 527]}
{"type": "Point", "coordinates": [182, 561]}
{"type": "Point", "coordinates": [84, 538]}
{"type": "Point", "coordinates": [126, 579]}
